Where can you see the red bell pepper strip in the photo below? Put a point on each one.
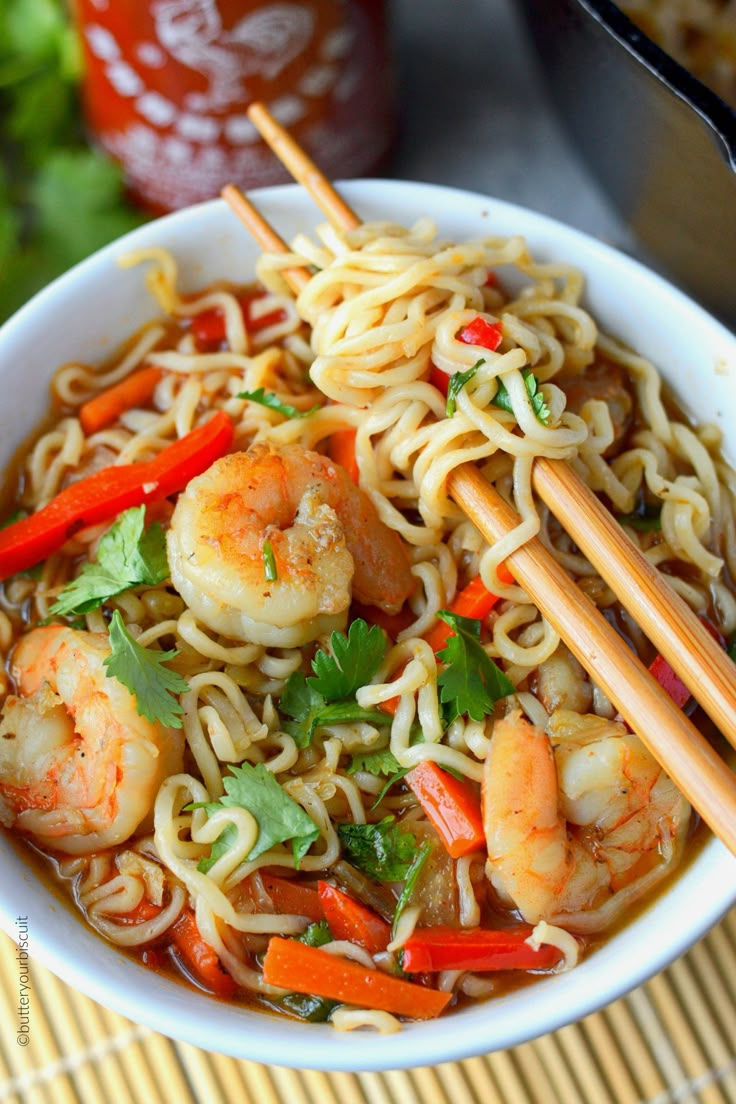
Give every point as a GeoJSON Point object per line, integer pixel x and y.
{"type": "Point", "coordinates": [480, 331]}
{"type": "Point", "coordinates": [291, 897]}
{"type": "Point", "coordinates": [452, 805]}
{"type": "Point", "coordinates": [671, 683]}
{"type": "Point", "coordinates": [443, 948]}
{"type": "Point", "coordinates": [208, 327]}
{"type": "Point", "coordinates": [201, 959]}
{"type": "Point", "coordinates": [108, 492]}
{"type": "Point", "coordinates": [293, 965]}
{"type": "Point", "coordinates": [439, 379]}
{"type": "Point", "coordinates": [349, 919]}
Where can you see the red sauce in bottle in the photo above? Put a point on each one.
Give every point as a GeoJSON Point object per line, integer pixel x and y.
{"type": "Point", "coordinates": [168, 82]}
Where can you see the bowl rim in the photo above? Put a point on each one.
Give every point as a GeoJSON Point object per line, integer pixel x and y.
{"type": "Point", "coordinates": [300, 1045]}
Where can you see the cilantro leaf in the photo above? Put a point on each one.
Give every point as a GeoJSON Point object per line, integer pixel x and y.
{"type": "Point", "coordinates": [143, 672]}
{"type": "Point", "coordinates": [539, 406]}
{"type": "Point", "coordinates": [379, 762]}
{"type": "Point", "coordinates": [354, 661]}
{"type": "Point", "coordinates": [644, 523]}
{"type": "Point", "coordinates": [309, 711]}
{"type": "Point", "coordinates": [374, 762]}
{"type": "Point", "coordinates": [316, 935]}
{"type": "Point", "coordinates": [471, 682]}
{"type": "Point", "coordinates": [302, 704]}
{"type": "Point", "coordinates": [410, 884]}
{"type": "Point", "coordinates": [273, 402]}
{"type": "Point", "coordinates": [279, 817]}
{"type": "Point", "coordinates": [456, 384]}
{"type": "Point", "coordinates": [222, 844]}
{"type": "Point", "coordinates": [731, 649]}
{"type": "Point", "coordinates": [329, 698]}
{"type": "Point", "coordinates": [128, 555]}
{"type": "Point", "coordinates": [59, 200]}
{"type": "Point", "coordinates": [382, 851]}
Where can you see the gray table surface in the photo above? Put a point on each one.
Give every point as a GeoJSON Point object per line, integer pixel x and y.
{"type": "Point", "coordinates": [475, 114]}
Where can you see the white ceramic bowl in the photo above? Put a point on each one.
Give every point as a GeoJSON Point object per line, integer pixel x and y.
{"type": "Point", "coordinates": [85, 314]}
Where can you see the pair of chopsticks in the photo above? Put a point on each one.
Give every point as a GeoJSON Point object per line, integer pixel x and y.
{"type": "Point", "coordinates": [666, 619]}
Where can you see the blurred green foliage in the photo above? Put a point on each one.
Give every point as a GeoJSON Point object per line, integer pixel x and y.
{"type": "Point", "coordinates": [59, 199]}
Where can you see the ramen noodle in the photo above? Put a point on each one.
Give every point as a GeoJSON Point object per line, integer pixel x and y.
{"type": "Point", "coordinates": [278, 716]}
{"type": "Point", "coordinates": [700, 34]}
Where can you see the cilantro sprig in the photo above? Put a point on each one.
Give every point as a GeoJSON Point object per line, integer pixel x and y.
{"type": "Point", "coordinates": [456, 384]}
{"type": "Point", "coordinates": [502, 398]}
{"type": "Point", "coordinates": [383, 850]}
{"type": "Point", "coordinates": [539, 406]}
{"type": "Point", "coordinates": [273, 402]}
{"type": "Point", "coordinates": [128, 555]}
{"type": "Point", "coordinates": [410, 884]}
{"type": "Point", "coordinates": [144, 672]}
{"type": "Point", "coordinates": [328, 696]}
{"type": "Point", "coordinates": [470, 682]}
{"type": "Point", "coordinates": [278, 816]}
{"type": "Point", "coordinates": [59, 200]}
{"type": "Point", "coordinates": [382, 762]}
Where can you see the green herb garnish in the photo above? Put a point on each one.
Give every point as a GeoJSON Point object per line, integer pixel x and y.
{"type": "Point", "coordinates": [539, 406]}
{"type": "Point", "coordinates": [143, 672]}
{"type": "Point", "coordinates": [328, 697]}
{"type": "Point", "coordinates": [382, 851]}
{"type": "Point", "coordinates": [269, 562]}
{"type": "Point", "coordinates": [410, 884]}
{"type": "Point", "coordinates": [59, 200]}
{"type": "Point", "coordinates": [278, 816]}
{"type": "Point", "coordinates": [128, 555]}
{"type": "Point", "coordinates": [470, 682]}
{"type": "Point", "coordinates": [273, 402]}
{"type": "Point", "coordinates": [456, 384]}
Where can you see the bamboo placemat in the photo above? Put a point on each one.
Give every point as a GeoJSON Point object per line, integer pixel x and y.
{"type": "Point", "coordinates": [672, 1041]}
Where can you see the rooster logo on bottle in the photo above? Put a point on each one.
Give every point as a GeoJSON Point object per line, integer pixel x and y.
{"type": "Point", "coordinates": [263, 43]}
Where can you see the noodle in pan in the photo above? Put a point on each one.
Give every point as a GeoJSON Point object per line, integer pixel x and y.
{"type": "Point", "coordinates": [233, 719]}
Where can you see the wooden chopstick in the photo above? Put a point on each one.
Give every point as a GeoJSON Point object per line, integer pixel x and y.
{"type": "Point", "coordinates": [684, 753]}
{"type": "Point", "coordinates": [661, 613]}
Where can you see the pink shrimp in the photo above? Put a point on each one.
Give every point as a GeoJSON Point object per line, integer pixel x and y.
{"type": "Point", "coordinates": [324, 536]}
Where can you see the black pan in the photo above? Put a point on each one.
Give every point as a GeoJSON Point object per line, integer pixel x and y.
{"type": "Point", "coordinates": [661, 144]}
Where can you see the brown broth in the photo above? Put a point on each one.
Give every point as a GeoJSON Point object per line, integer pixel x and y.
{"type": "Point", "coordinates": [163, 959]}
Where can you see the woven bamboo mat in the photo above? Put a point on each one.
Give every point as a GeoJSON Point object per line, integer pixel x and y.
{"type": "Point", "coordinates": [672, 1040]}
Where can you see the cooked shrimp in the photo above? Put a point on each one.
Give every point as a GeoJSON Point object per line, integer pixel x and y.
{"type": "Point", "coordinates": [327, 541]}
{"type": "Point", "coordinates": [609, 383]}
{"type": "Point", "coordinates": [79, 768]}
{"type": "Point", "coordinates": [580, 820]}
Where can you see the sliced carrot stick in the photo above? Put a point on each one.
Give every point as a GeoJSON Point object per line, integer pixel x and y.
{"type": "Point", "coordinates": [201, 959]}
{"type": "Point", "coordinates": [143, 911]}
{"type": "Point", "coordinates": [349, 919]}
{"type": "Point", "coordinates": [104, 408]}
{"type": "Point", "coordinates": [292, 897]}
{"type": "Point", "coordinates": [452, 805]}
{"type": "Point", "coordinates": [342, 451]}
{"type": "Point", "coordinates": [474, 601]}
{"type": "Point", "coordinates": [293, 965]}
